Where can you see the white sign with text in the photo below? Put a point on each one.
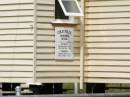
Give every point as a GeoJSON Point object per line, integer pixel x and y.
{"type": "Point", "coordinates": [64, 43]}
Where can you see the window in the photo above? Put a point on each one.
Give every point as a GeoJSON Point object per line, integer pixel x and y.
{"type": "Point", "coordinates": [70, 7]}
{"type": "Point", "coordinates": [59, 14]}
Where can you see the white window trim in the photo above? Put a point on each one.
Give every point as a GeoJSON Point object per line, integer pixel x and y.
{"type": "Point", "coordinates": [70, 13]}
{"type": "Point", "coordinates": [70, 20]}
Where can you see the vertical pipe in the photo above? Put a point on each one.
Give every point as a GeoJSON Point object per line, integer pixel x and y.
{"type": "Point", "coordinates": [82, 47]}
{"type": "Point", "coordinates": [34, 41]}
{"type": "Point", "coordinates": [75, 88]}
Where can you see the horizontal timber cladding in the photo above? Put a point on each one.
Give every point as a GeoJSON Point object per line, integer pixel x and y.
{"type": "Point", "coordinates": [16, 40]}
{"type": "Point", "coordinates": [107, 41]}
{"type": "Point", "coordinates": [48, 69]}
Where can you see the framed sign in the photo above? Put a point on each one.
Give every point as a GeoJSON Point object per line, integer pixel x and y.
{"type": "Point", "coordinates": [64, 43]}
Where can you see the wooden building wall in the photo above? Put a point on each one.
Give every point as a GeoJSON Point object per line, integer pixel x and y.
{"type": "Point", "coordinates": [48, 69]}
{"type": "Point", "coordinates": [27, 43]}
{"type": "Point", "coordinates": [16, 40]}
{"type": "Point", "coordinates": [107, 41]}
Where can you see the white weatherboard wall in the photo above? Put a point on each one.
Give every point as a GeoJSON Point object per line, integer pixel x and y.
{"type": "Point", "coordinates": [16, 40]}
{"type": "Point", "coordinates": [27, 44]}
{"type": "Point", "coordinates": [48, 69]}
{"type": "Point", "coordinates": [107, 41]}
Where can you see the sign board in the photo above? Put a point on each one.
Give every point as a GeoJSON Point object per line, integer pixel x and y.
{"type": "Point", "coordinates": [64, 43]}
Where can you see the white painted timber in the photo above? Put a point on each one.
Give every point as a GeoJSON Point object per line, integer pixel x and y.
{"type": "Point", "coordinates": [16, 41]}
{"type": "Point", "coordinates": [107, 39]}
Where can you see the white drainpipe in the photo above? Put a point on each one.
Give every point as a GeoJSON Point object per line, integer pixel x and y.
{"type": "Point", "coordinates": [82, 46]}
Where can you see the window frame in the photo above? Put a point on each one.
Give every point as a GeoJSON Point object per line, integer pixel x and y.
{"type": "Point", "coordinates": [71, 13]}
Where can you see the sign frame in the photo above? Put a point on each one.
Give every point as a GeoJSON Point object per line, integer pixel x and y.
{"type": "Point", "coordinates": [64, 49]}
